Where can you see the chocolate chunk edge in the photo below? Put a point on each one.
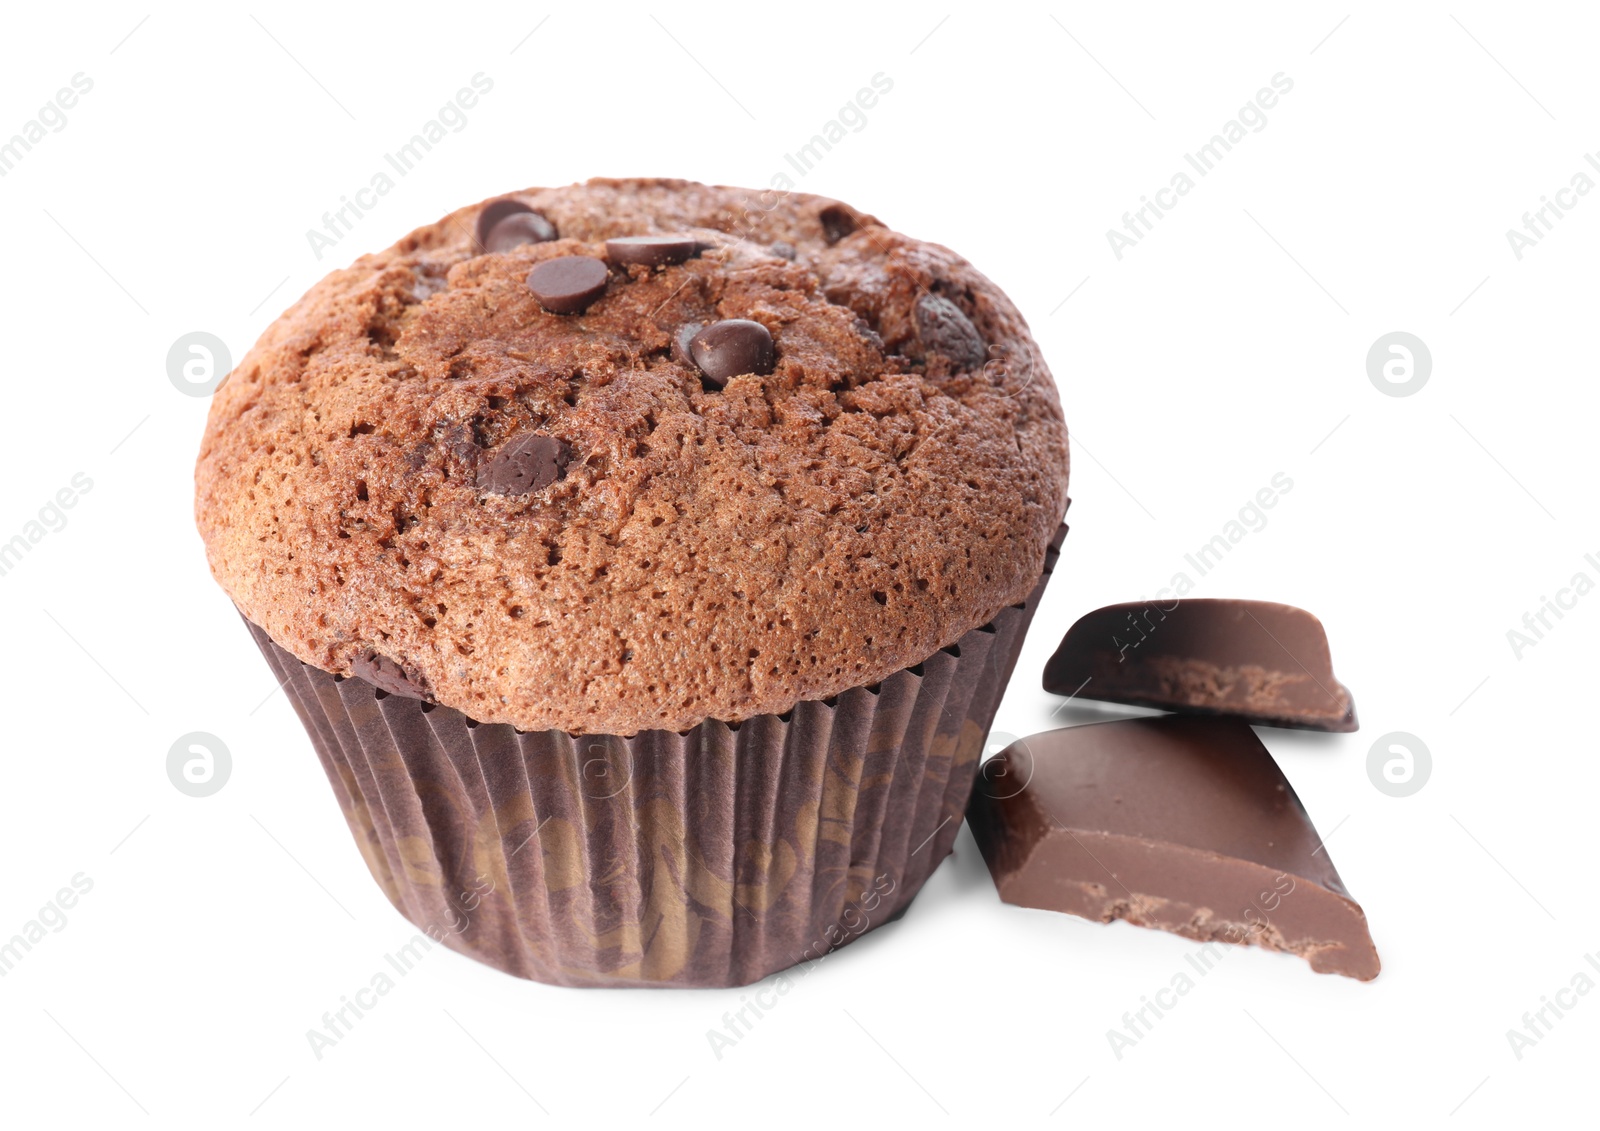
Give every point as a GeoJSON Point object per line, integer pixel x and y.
{"type": "Point", "coordinates": [1072, 821]}
{"type": "Point", "coordinates": [1260, 661]}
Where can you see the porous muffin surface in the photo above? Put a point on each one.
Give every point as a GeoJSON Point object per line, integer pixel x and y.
{"type": "Point", "coordinates": [559, 520]}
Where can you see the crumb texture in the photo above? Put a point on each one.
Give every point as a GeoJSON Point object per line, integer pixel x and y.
{"type": "Point", "coordinates": [558, 521]}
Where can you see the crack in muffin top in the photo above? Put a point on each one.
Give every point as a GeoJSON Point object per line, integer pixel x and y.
{"type": "Point", "coordinates": [581, 521]}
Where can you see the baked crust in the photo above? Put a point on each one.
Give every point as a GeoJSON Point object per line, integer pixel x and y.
{"type": "Point", "coordinates": [705, 553]}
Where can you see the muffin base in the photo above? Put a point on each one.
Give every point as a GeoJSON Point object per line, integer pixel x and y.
{"type": "Point", "coordinates": [715, 857]}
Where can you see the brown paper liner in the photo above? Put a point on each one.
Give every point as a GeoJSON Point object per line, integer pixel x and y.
{"type": "Point", "coordinates": [710, 858]}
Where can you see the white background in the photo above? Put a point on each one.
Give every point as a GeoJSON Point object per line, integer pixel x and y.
{"type": "Point", "coordinates": [1228, 346]}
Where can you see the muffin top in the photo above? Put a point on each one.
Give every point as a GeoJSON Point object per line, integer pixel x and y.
{"type": "Point", "coordinates": [557, 482]}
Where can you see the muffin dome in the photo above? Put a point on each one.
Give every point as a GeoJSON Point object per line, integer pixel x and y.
{"type": "Point", "coordinates": [607, 505]}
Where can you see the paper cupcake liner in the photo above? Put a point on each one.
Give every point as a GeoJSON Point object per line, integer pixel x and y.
{"type": "Point", "coordinates": [710, 858]}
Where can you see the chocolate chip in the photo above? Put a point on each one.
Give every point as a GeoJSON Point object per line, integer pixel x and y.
{"type": "Point", "coordinates": [386, 675]}
{"type": "Point", "coordinates": [733, 346]}
{"type": "Point", "coordinates": [944, 329]}
{"type": "Point", "coordinates": [529, 463]}
{"type": "Point", "coordinates": [837, 222]}
{"type": "Point", "coordinates": [652, 251]}
{"type": "Point", "coordinates": [783, 249]}
{"type": "Point", "coordinates": [680, 342]}
{"type": "Point", "coordinates": [496, 211]}
{"type": "Point", "coordinates": [568, 283]}
{"type": "Point", "coordinates": [516, 230]}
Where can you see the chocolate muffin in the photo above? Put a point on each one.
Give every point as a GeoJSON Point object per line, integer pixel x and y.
{"type": "Point", "coordinates": [661, 522]}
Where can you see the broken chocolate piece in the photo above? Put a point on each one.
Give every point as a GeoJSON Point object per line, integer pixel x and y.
{"type": "Point", "coordinates": [1264, 662]}
{"type": "Point", "coordinates": [1180, 823]}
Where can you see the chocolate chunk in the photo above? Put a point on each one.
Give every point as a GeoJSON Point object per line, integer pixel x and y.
{"type": "Point", "coordinates": [680, 343]}
{"type": "Point", "coordinates": [783, 249]}
{"type": "Point", "coordinates": [529, 463]}
{"type": "Point", "coordinates": [530, 226]}
{"type": "Point", "coordinates": [944, 328]}
{"type": "Point", "coordinates": [733, 346]}
{"type": "Point", "coordinates": [652, 251]}
{"type": "Point", "coordinates": [516, 230]}
{"type": "Point", "coordinates": [1263, 662]}
{"type": "Point", "coordinates": [837, 222]}
{"type": "Point", "coordinates": [386, 675]}
{"type": "Point", "coordinates": [568, 284]}
{"type": "Point", "coordinates": [1180, 823]}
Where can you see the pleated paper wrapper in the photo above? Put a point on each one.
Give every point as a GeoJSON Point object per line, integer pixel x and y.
{"type": "Point", "coordinates": [710, 858]}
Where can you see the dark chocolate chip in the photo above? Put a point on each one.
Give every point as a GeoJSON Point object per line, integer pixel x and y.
{"type": "Point", "coordinates": [568, 284]}
{"type": "Point", "coordinates": [386, 675]}
{"type": "Point", "coordinates": [496, 211]}
{"type": "Point", "coordinates": [529, 463]}
{"type": "Point", "coordinates": [652, 251]}
{"type": "Point", "coordinates": [680, 342]}
{"type": "Point", "coordinates": [733, 346]}
{"type": "Point", "coordinates": [837, 222]}
{"type": "Point", "coordinates": [944, 329]}
{"type": "Point", "coordinates": [517, 229]}
{"type": "Point", "coordinates": [783, 249]}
